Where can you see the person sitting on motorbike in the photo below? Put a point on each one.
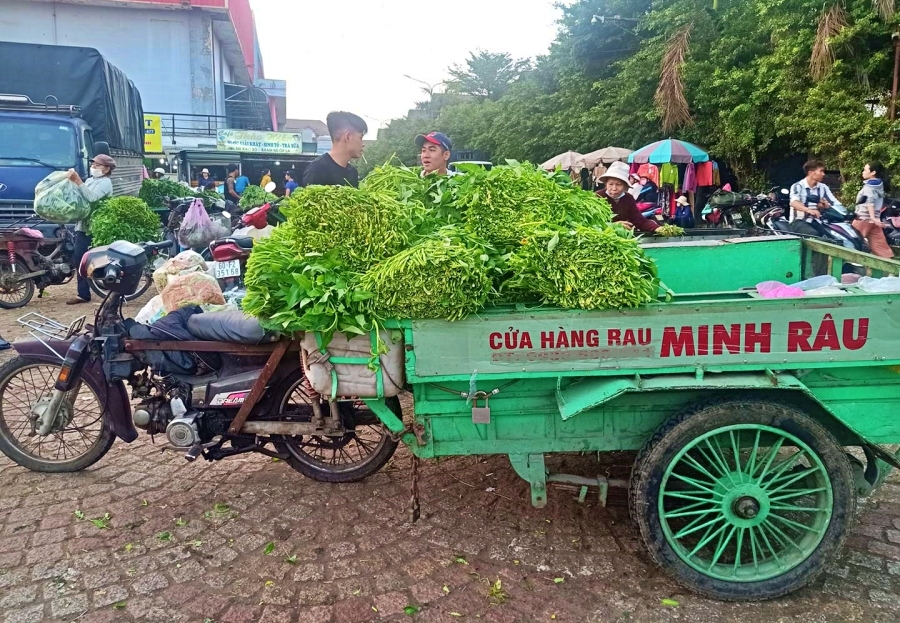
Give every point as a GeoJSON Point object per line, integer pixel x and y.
{"type": "Point", "coordinates": [869, 202]}
{"type": "Point", "coordinates": [810, 196]}
{"type": "Point", "coordinates": [97, 187]}
{"type": "Point", "coordinates": [625, 210]}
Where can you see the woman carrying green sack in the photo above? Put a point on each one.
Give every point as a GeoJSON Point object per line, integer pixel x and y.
{"type": "Point", "coordinates": [98, 186]}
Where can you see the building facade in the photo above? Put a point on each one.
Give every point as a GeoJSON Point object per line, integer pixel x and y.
{"type": "Point", "coordinates": [196, 63]}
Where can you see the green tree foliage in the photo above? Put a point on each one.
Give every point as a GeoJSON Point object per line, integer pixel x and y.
{"type": "Point", "coordinates": [487, 75]}
{"type": "Point", "coordinates": [747, 80]}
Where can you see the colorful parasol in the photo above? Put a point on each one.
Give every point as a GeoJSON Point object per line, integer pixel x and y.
{"type": "Point", "coordinates": [669, 150]}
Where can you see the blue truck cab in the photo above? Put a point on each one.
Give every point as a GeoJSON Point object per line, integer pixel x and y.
{"type": "Point", "coordinates": [59, 107]}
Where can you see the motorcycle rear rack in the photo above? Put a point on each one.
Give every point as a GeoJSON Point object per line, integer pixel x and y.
{"type": "Point", "coordinates": [41, 325]}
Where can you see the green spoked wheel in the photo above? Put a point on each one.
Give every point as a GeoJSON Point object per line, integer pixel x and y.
{"type": "Point", "coordinates": [743, 500]}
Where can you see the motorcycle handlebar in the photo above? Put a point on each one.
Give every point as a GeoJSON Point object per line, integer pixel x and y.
{"type": "Point", "coordinates": [158, 246]}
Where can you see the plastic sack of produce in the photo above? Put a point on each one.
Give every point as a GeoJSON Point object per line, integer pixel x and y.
{"type": "Point", "coordinates": [195, 288]}
{"type": "Point", "coordinates": [255, 233]}
{"type": "Point", "coordinates": [197, 229]}
{"type": "Point", "coordinates": [815, 283]}
{"type": "Point", "coordinates": [354, 379]}
{"type": "Point", "coordinates": [151, 312]}
{"type": "Point", "coordinates": [58, 199]}
{"type": "Point", "coordinates": [183, 263]}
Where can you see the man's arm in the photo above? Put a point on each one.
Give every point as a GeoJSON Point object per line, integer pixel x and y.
{"type": "Point", "coordinates": [634, 216]}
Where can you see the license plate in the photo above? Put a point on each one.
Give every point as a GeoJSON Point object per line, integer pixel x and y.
{"type": "Point", "coordinates": [232, 268]}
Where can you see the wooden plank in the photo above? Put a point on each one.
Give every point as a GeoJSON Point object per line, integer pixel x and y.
{"type": "Point", "coordinates": [206, 347]}
{"type": "Point", "coordinates": [889, 267]}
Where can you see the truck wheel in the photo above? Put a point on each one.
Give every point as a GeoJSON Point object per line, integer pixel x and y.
{"type": "Point", "coordinates": [742, 500]}
{"type": "Point", "coordinates": [14, 293]}
{"type": "Point", "coordinates": [82, 438]}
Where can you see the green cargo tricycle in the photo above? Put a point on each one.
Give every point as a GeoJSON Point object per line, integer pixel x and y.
{"type": "Point", "coordinates": [757, 421]}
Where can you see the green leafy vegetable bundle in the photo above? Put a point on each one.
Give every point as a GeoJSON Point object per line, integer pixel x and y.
{"type": "Point", "coordinates": [156, 192]}
{"type": "Point", "coordinates": [362, 227]}
{"type": "Point", "coordinates": [437, 278]}
{"type": "Point", "coordinates": [254, 197]}
{"type": "Point", "coordinates": [403, 246]}
{"type": "Point", "coordinates": [497, 204]}
{"type": "Point", "coordinates": [584, 268]}
{"type": "Point", "coordinates": [123, 218]}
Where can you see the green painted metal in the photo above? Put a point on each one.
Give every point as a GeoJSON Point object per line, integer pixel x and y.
{"type": "Point", "coordinates": [530, 467]}
{"type": "Point", "coordinates": [745, 503]}
{"type": "Point", "coordinates": [726, 264]}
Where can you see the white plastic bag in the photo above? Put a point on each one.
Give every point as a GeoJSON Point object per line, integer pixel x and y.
{"type": "Point", "coordinates": [151, 312]}
{"type": "Point", "coordinates": [885, 285]}
{"type": "Point", "coordinates": [59, 200]}
{"type": "Point", "coordinates": [822, 281]}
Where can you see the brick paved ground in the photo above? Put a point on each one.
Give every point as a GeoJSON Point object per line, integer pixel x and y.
{"type": "Point", "coordinates": [187, 542]}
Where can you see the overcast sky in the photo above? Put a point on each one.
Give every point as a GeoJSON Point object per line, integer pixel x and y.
{"type": "Point", "coordinates": [353, 54]}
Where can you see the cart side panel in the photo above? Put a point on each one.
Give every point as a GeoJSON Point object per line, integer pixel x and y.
{"type": "Point", "coordinates": [744, 334]}
{"type": "Point", "coordinates": [726, 264]}
{"type": "Point", "coordinates": [866, 400]}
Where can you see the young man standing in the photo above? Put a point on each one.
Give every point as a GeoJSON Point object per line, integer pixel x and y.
{"type": "Point", "coordinates": [289, 184]}
{"type": "Point", "coordinates": [334, 169]}
{"type": "Point", "coordinates": [436, 148]}
{"type": "Point", "coordinates": [810, 195]}
{"type": "Point", "coordinates": [231, 193]}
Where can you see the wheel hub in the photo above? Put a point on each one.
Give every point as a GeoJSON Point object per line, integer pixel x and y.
{"type": "Point", "coordinates": [39, 410]}
{"type": "Point", "coordinates": [746, 507]}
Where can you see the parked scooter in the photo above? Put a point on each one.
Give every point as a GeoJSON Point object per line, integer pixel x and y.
{"type": "Point", "coordinates": [38, 254]}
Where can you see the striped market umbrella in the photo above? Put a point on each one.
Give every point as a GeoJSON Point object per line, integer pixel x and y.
{"type": "Point", "coordinates": [669, 151]}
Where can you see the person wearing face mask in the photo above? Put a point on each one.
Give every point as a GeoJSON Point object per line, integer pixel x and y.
{"type": "Point", "coordinates": [98, 187]}
{"type": "Point", "coordinates": [624, 207]}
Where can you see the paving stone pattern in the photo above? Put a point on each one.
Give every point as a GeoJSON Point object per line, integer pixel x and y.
{"type": "Point", "coordinates": [188, 542]}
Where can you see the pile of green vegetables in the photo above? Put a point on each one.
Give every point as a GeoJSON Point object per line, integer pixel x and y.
{"type": "Point", "coordinates": [123, 218]}
{"type": "Point", "coordinates": [155, 193]}
{"type": "Point", "coordinates": [407, 246]}
{"type": "Point", "coordinates": [254, 197]}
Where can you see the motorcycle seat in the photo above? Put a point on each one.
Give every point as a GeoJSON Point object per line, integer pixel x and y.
{"type": "Point", "coordinates": [244, 242]}
{"type": "Point", "coordinates": [49, 230]}
{"type": "Point", "coordinates": [228, 326]}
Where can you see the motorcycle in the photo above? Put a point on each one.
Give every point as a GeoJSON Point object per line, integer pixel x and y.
{"type": "Point", "coordinates": [38, 255]}
{"type": "Point", "coordinates": [65, 400]}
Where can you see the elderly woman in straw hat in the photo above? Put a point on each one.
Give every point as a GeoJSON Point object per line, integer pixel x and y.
{"type": "Point", "coordinates": [624, 208]}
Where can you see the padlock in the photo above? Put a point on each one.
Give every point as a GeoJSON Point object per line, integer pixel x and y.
{"type": "Point", "coordinates": [481, 415]}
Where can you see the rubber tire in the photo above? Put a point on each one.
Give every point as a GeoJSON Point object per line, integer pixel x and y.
{"type": "Point", "coordinates": [10, 449]}
{"type": "Point", "coordinates": [146, 282]}
{"type": "Point", "coordinates": [29, 288]}
{"type": "Point", "coordinates": [671, 437]}
{"type": "Point", "coordinates": [315, 472]}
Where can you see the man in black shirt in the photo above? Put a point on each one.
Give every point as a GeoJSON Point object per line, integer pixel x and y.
{"type": "Point", "coordinates": [334, 168]}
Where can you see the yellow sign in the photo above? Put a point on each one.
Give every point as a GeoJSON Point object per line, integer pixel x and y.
{"type": "Point", "coordinates": [152, 134]}
{"type": "Point", "coordinates": [251, 141]}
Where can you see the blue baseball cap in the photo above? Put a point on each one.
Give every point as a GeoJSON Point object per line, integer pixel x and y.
{"type": "Point", "coordinates": [438, 138]}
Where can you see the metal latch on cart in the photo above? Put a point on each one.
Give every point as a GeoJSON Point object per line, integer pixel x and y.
{"type": "Point", "coordinates": [481, 415]}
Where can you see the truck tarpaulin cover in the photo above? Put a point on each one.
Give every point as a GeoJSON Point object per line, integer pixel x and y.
{"type": "Point", "coordinates": [109, 101]}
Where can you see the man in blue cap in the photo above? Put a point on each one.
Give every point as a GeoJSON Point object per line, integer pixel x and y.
{"type": "Point", "coordinates": [436, 147]}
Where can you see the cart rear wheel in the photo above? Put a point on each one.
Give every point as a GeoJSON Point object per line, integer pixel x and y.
{"type": "Point", "coordinates": [742, 500]}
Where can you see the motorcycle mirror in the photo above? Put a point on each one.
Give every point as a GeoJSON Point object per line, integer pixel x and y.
{"type": "Point", "coordinates": [226, 214]}
{"type": "Point", "coordinates": [785, 191]}
{"type": "Point", "coordinates": [270, 187]}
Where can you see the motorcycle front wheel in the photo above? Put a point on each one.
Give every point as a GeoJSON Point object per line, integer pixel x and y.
{"type": "Point", "coordinates": [364, 450]}
{"type": "Point", "coordinates": [81, 437]}
{"type": "Point", "coordinates": [14, 293]}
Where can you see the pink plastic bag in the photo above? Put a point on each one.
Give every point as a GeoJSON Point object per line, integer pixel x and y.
{"type": "Point", "coordinates": [778, 290]}
{"type": "Point", "coordinates": [197, 230]}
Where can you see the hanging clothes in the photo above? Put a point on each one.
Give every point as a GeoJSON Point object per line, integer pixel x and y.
{"type": "Point", "coordinates": [668, 174]}
{"type": "Point", "coordinates": [633, 169]}
{"type": "Point", "coordinates": [717, 178]}
{"type": "Point", "coordinates": [650, 171]}
{"type": "Point", "coordinates": [690, 178]}
{"type": "Point", "coordinates": [705, 174]}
